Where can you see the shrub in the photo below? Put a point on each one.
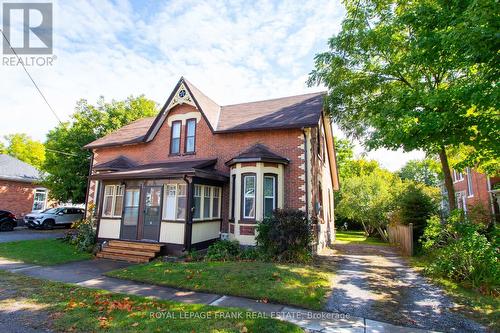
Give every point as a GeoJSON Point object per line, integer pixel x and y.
{"type": "Point", "coordinates": [83, 235]}
{"type": "Point", "coordinates": [285, 236]}
{"type": "Point", "coordinates": [223, 250]}
{"type": "Point", "coordinates": [460, 252]}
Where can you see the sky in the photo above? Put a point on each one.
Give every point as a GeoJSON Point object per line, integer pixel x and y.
{"type": "Point", "coordinates": [233, 51]}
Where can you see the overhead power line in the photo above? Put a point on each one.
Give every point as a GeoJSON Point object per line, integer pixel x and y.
{"type": "Point", "coordinates": [31, 78]}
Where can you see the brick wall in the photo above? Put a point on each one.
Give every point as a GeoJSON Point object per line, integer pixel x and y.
{"type": "Point", "coordinates": [479, 189]}
{"type": "Point", "coordinates": [17, 197]}
{"type": "Point", "coordinates": [286, 143]}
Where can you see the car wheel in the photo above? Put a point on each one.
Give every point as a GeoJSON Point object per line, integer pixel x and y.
{"type": "Point", "coordinates": [6, 227]}
{"type": "Point", "coordinates": [49, 224]}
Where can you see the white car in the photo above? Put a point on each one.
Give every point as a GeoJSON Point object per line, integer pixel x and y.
{"type": "Point", "coordinates": [48, 219]}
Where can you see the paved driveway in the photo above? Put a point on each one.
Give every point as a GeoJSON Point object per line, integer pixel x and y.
{"type": "Point", "coordinates": [374, 282]}
{"type": "Point", "coordinates": [29, 234]}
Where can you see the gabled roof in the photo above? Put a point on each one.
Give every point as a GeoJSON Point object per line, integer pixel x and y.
{"type": "Point", "coordinates": [199, 168]}
{"type": "Point", "coordinates": [257, 153]}
{"type": "Point", "coordinates": [15, 170]}
{"type": "Point", "coordinates": [280, 113]}
{"type": "Point", "coordinates": [118, 163]}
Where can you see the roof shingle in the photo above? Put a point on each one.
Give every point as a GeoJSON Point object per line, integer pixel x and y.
{"type": "Point", "coordinates": [13, 169]}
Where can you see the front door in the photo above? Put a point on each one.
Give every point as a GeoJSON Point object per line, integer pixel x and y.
{"type": "Point", "coordinates": [130, 214]}
{"type": "Point", "coordinates": [149, 229]}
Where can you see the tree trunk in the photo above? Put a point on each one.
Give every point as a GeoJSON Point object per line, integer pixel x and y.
{"type": "Point", "coordinates": [448, 181]}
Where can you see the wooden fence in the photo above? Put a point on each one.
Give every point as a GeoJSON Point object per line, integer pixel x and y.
{"type": "Point", "coordinates": [402, 236]}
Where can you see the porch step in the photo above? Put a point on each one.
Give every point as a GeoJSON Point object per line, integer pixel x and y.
{"type": "Point", "coordinates": [123, 257]}
{"type": "Point", "coordinates": [129, 251]}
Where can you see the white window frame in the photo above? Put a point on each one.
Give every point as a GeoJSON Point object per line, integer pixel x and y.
{"type": "Point", "coordinates": [219, 201]}
{"type": "Point", "coordinates": [176, 201]}
{"type": "Point", "coordinates": [45, 192]}
{"type": "Point", "coordinates": [113, 196]}
{"type": "Point", "coordinates": [254, 196]}
{"type": "Point", "coordinates": [457, 176]}
{"type": "Point", "coordinates": [461, 199]}
{"type": "Point", "coordinates": [470, 189]}
{"type": "Point", "coordinates": [274, 177]}
{"type": "Point", "coordinates": [202, 197]}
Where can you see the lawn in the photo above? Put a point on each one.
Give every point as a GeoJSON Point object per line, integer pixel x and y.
{"type": "Point", "coordinates": [471, 303]}
{"type": "Point", "coordinates": [42, 252]}
{"type": "Point", "coordinates": [300, 285]}
{"type": "Point", "coordinates": [357, 237]}
{"type": "Point", "coordinates": [71, 308]}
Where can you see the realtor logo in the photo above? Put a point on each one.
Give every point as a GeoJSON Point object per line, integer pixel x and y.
{"type": "Point", "coordinates": [28, 28]}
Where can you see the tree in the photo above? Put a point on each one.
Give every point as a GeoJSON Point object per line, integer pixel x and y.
{"type": "Point", "coordinates": [3, 150]}
{"type": "Point", "coordinates": [67, 163]}
{"type": "Point", "coordinates": [421, 171]}
{"type": "Point", "coordinates": [22, 147]}
{"type": "Point", "coordinates": [416, 75]}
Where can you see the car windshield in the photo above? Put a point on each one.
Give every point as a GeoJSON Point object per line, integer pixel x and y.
{"type": "Point", "coordinates": [51, 211]}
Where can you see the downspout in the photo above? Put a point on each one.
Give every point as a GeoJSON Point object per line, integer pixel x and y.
{"type": "Point", "coordinates": [188, 226]}
{"type": "Point", "coordinates": [306, 178]}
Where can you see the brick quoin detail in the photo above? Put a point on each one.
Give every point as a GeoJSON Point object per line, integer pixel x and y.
{"type": "Point", "coordinates": [285, 142]}
{"type": "Point", "coordinates": [247, 230]}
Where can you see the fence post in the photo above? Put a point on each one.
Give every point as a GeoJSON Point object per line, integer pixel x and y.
{"type": "Point", "coordinates": [410, 231]}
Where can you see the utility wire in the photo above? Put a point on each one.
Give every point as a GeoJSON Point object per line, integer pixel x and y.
{"type": "Point", "coordinates": [60, 152]}
{"type": "Point", "coordinates": [31, 78]}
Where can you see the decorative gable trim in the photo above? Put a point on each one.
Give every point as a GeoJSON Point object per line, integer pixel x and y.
{"type": "Point", "coordinates": [181, 96]}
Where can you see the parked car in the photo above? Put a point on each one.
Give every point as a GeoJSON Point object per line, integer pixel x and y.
{"type": "Point", "coordinates": [7, 221]}
{"type": "Point", "coordinates": [48, 219]}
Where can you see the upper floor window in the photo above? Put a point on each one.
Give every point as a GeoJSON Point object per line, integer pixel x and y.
{"type": "Point", "coordinates": [270, 195]}
{"type": "Point", "coordinates": [113, 200]}
{"type": "Point", "coordinates": [457, 176]}
{"type": "Point", "coordinates": [470, 190]}
{"type": "Point", "coordinates": [190, 135]}
{"type": "Point", "coordinates": [175, 140]}
{"type": "Point", "coordinates": [249, 189]}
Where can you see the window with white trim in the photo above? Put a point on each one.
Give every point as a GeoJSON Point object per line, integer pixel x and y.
{"type": "Point", "coordinates": [249, 190]}
{"type": "Point", "coordinates": [40, 199]}
{"type": "Point", "coordinates": [269, 194]}
{"type": "Point", "coordinates": [470, 190]}
{"type": "Point", "coordinates": [207, 202]}
{"type": "Point", "coordinates": [113, 200]}
{"type": "Point", "coordinates": [190, 135]}
{"type": "Point", "coordinates": [457, 176]}
{"type": "Point", "coordinates": [174, 202]}
{"type": "Point", "coordinates": [461, 200]}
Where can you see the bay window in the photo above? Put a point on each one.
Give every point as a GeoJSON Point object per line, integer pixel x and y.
{"type": "Point", "coordinates": [190, 135]}
{"type": "Point", "coordinates": [113, 200]}
{"type": "Point", "coordinates": [249, 188]}
{"type": "Point", "coordinates": [270, 197]}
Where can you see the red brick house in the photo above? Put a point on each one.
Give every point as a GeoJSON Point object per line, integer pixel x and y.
{"type": "Point", "coordinates": [473, 188]}
{"type": "Point", "coordinates": [20, 191]}
{"type": "Point", "coordinates": [199, 171]}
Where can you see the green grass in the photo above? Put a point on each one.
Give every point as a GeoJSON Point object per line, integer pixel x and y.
{"type": "Point", "coordinates": [471, 303]}
{"type": "Point", "coordinates": [356, 237]}
{"type": "Point", "coordinates": [71, 308]}
{"type": "Point", "coordinates": [300, 285]}
{"type": "Point", "coordinates": [42, 252]}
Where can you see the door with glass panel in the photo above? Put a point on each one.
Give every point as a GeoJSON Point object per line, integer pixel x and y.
{"type": "Point", "coordinates": [150, 226]}
{"type": "Point", "coordinates": [130, 214]}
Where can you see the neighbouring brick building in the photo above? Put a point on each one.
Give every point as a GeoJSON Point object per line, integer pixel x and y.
{"type": "Point", "coordinates": [473, 188]}
{"type": "Point", "coordinates": [20, 191]}
{"type": "Point", "coordinates": [199, 171]}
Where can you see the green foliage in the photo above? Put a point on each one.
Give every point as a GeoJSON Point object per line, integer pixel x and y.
{"type": "Point", "coordinates": [285, 236]}
{"type": "Point", "coordinates": [461, 252]}
{"type": "Point", "coordinates": [22, 147]}
{"type": "Point", "coordinates": [424, 171]}
{"type": "Point", "coordinates": [3, 149]}
{"type": "Point", "coordinates": [223, 250]}
{"type": "Point", "coordinates": [67, 163]}
{"type": "Point", "coordinates": [83, 235]}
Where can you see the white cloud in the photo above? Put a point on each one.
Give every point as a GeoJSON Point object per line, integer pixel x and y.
{"type": "Point", "coordinates": [233, 51]}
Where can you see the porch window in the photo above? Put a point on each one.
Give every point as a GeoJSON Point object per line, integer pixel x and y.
{"type": "Point", "coordinates": [190, 135]}
{"type": "Point", "coordinates": [206, 201]}
{"type": "Point", "coordinates": [197, 202]}
{"type": "Point", "coordinates": [40, 199]}
{"type": "Point", "coordinates": [175, 140]}
{"type": "Point", "coordinates": [249, 196]}
{"type": "Point", "coordinates": [113, 201]}
{"type": "Point", "coordinates": [270, 195]}
{"type": "Point", "coordinates": [174, 202]}
{"type": "Point", "coordinates": [131, 211]}
{"type": "Point", "coordinates": [216, 202]}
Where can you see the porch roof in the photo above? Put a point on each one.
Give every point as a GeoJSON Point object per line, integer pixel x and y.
{"type": "Point", "coordinates": [194, 168]}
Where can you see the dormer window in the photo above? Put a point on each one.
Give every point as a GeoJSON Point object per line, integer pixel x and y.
{"type": "Point", "coordinates": [175, 140]}
{"type": "Point", "coordinates": [190, 135]}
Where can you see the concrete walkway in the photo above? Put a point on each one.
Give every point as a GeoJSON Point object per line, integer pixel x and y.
{"type": "Point", "coordinates": [89, 274]}
{"type": "Point", "coordinates": [376, 283]}
{"type": "Point", "coordinates": [22, 233]}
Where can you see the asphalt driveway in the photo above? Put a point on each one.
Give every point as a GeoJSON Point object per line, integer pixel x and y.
{"type": "Point", "coordinates": [28, 234]}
